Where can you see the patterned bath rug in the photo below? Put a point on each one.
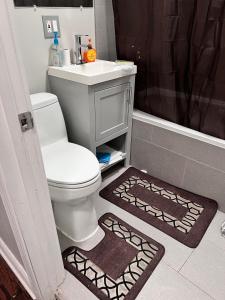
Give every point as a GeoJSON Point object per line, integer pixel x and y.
{"type": "Point", "coordinates": [181, 214]}
{"type": "Point", "coordinates": [118, 267]}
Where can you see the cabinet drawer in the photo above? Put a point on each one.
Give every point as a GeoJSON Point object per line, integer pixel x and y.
{"type": "Point", "coordinates": [111, 110]}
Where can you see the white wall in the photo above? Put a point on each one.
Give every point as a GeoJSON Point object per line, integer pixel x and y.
{"type": "Point", "coordinates": [6, 233]}
{"type": "Point", "coordinates": [105, 30]}
{"type": "Point", "coordinates": [34, 48]}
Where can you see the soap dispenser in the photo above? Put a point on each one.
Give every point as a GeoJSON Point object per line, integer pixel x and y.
{"type": "Point", "coordinates": [56, 53]}
{"type": "Point", "coordinates": [90, 53]}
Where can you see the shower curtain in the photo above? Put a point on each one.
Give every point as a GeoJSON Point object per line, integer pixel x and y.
{"type": "Point", "coordinates": [179, 48]}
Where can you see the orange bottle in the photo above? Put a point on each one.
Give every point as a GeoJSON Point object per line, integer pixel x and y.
{"type": "Point", "coordinates": [89, 54]}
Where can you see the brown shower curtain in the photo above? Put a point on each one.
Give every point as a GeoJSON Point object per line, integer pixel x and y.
{"type": "Point", "coordinates": [179, 48]}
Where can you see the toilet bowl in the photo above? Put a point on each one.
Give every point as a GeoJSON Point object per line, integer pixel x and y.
{"type": "Point", "coordinates": [72, 171]}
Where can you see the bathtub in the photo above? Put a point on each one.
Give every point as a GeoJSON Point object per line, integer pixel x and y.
{"type": "Point", "coordinates": [181, 156]}
{"type": "Point", "coordinates": [161, 123]}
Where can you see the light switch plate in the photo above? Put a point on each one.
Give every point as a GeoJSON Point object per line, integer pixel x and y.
{"type": "Point", "coordinates": [51, 24]}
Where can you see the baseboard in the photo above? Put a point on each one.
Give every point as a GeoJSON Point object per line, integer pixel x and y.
{"type": "Point", "coordinates": [16, 267]}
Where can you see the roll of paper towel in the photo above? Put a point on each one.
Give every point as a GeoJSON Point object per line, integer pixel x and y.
{"type": "Point", "coordinates": [67, 61]}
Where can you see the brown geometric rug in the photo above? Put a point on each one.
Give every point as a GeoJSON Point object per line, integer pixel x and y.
{"type": "Point", "coordinates": [118, 267]}
{"type": "Point", "coordinates": [181, 214]}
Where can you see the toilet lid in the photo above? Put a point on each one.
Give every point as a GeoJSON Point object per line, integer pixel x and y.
{"type": "Point", "coordinates": [69, 164]}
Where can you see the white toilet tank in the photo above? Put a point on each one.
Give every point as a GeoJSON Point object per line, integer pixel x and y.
{"type": "Point", "coordinates": [48, 118]}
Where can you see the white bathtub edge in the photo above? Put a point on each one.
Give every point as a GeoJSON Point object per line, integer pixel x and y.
{"type": "Point", "coordinates": [155, 121]}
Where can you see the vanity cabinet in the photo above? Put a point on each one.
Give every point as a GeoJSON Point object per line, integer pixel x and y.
{"type": "Point", "coordinates": [98, 114]}
{"type": "Point", "coordinates": [111, 110]}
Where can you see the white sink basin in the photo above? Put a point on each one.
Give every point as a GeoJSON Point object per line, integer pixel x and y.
{"type": "Point", "coordinates": [93, 73]}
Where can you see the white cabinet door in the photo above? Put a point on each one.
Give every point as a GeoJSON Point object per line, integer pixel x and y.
{"type": "Point", "coordinates": [111, 110]}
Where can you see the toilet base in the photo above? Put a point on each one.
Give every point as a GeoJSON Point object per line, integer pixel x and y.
{"type": "Point", "coordinates": [77, 220]}
{"type": "Point", "coordinates": [88, 244]}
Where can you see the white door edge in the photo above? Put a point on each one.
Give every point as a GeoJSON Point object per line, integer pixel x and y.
{"type": "Point", "coordinates": [23, 184]}
{"type": "Point", "coordinates": [16, 267]}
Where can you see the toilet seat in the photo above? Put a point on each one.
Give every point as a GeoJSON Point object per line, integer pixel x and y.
{"type": "Point", "coordinates": [74, 195]}
{"type": "Point", "coordinates": [70, 166]}
{"type": "Point", "coordinates": [74, 186]}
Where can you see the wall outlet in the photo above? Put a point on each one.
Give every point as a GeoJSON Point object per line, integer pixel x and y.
{"type": "Point", "coordinates": [51, 25]}
{"type": "Point", "coordinates": [55, 26]}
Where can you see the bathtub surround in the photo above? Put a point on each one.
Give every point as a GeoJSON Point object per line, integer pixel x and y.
{"type": "Point", "coordinates": [34, 48]}
{"type": "Point", "coordinates": [180, 156]}
{"type": "Point", "coordinates": [120, 265]}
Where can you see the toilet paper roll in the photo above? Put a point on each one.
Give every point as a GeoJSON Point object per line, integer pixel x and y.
{"type": "Point", "coordinates": [67, 61]}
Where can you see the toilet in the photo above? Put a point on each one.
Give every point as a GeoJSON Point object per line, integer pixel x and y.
{"type": "Point", "coordinates": [72, 171]}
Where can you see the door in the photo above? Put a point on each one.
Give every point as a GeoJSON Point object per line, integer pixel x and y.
{"type": "Point", "coordinates": [112, 110]}
{"type": "Point", "coordinates": [23, 185]}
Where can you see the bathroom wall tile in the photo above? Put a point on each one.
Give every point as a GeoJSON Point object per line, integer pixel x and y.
{"type": "Point", "coordinates": [100, 16]}
{"type": "Point", "coordinates": [157, 161]}
{"type": "Point", "coordinates": [189, 147]}
{"type": "Point", "coordinates": [103, 55]}
{"type": "Point", "coordinates": [166, 284]}
{"type": "Point", "coordinates": [142, 130]}
{"type": "Point", "coordinates": [204, 173]}
{"type": "Point", "coordinates": [205, 181]}
{"type": "Point", "coordinates": [140, 157]}
{"type": "Point", "coordinates": [111, 32]}
{"type": "Point", "coordinates": [100, 2]}
{"type": "Point", "coordinates": [205, 268]}
{"type": "Point", "coordinates": [102, 45]}
{"type": "Point", "coordinates": [105, 30]}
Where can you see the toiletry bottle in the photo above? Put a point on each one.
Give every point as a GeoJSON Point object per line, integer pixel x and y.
{"type": "Point", "coordinates": [56, 53]}
{"type": "Point", "coordinates": [90, 53]}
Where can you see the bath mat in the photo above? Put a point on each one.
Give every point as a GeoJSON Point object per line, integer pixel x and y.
{"type": "Point", "coordinates": [118, 267]}
{"type": "Point", "coordinates": [181, 214]}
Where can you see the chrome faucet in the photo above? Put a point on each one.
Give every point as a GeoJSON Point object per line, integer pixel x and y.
{"type": "Point", "coordinates": [78, 49]}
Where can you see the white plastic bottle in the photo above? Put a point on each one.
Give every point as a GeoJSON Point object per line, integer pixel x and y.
{"type": "Point", "coordinates": [56, 57]}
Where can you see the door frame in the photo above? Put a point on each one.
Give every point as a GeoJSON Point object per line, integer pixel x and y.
{"type": "Point", "coordinates": [23, 185]}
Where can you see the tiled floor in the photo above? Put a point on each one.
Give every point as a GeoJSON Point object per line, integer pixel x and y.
{"type": "Point", "coordinates": [183, 273]}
